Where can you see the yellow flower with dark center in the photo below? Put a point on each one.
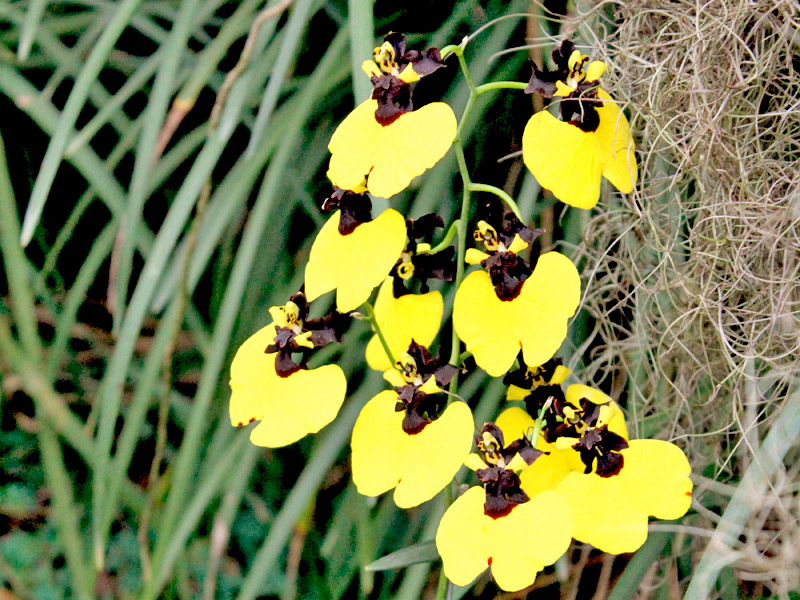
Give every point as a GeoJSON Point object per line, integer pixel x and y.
{"type": "Point", "coordinates": [500, 527]}
{"type": "Point", "coordinates": [353, 262]}
{"type": "Point", "coordinates": [401, 441]}
{"type": "Point", "coordinates": [389, 156]}
{"type": "Point", "coordinates": [384, 140]}
{"type": "Point", "coordinates": [609, 511]}
{"type": "Point", "coordinates": [535, 321]}
{"type": "Point", "coordinates": [591, 140]}
{"type": "Point", "coordinates": [527, 379]}
{"type": "Point", "coordinates": [288, 407]}
{"type": "Point", "coordinates": [410, 317]}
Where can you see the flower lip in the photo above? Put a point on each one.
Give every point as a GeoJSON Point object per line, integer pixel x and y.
{"type": "Point", "coordinates": [394, 69]}
{"type": "Point", "coordinates": [399, 59]}
{"type": "Point", "coordinates": [544, 82]}
{"type": "Point", "coordinates": [579, 108]}
{"type": "Point", "coordinates": [501, 484]}
{"type": "Point", "coordinates": [604, 445]}
{"type": "Point", "coordinates": [393, 96]}
{"type": "Point", "coordinates": [571, 80]}
{"type": "Point", "coordinates": [416, 262]}
{"type": "Point", "coordinates": [504, 235]}
{"type": "Point", "coordinates": [355, 209]}
{"type": "Point", "coordinates": [423, 375]}
{"type": "Point", "coordinates": [296, 334]}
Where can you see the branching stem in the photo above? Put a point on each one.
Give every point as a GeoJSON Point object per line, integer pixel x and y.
{"type": "Point", "coordinates": [374, 321]}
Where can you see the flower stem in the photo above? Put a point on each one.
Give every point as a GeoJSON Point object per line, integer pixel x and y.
{"type": "Point", "coordinates": [500, 85]}
{"type": "Point", "coordinates": [374, 321]}
{"type": "Point", "coordinates": [444, 588]}
{"type": "Point", "coordinates": [537, 426]}
{"type": "Point", "coordinates": [483, 187]}
{"type": "Point", "coordinates": [451, 233]}
{"type": "Point", "coordinates": [459, 52]}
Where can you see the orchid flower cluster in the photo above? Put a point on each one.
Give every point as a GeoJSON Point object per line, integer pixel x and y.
{"type": "Point", "coordinates": [557, 463]}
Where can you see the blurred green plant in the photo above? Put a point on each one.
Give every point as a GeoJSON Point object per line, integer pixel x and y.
{"type": "Point", "coordinates": [159, 183]}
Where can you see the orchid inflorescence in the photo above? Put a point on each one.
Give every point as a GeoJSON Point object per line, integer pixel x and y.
{"type": "Point", "coordinates": [558, 463]}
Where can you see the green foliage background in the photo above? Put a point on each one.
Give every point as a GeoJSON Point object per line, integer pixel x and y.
{"type": "Point", "coordinates": [163, 163]}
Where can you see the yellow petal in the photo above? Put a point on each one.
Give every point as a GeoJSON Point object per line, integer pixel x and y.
{"type": "Point", "coordinates": [535, 321]}
{"type": "Point", "coordinates": [517, 393]}
{"type": "Point", "coordinates": [517, 546]}
{"type": "Point", "coordinates": [475, 462]}
{"type": "Point", "coordinates": [562, 89]}
{"type": "Point", "coordinates": [548, 298]}
{"type": "Point", "coordinates": [409, 75]}
{"type": "Point", "coordinates": [517, 244]}
{"type": "Point", "coordinates": [430, 387]}
{"type": "Point", "coordinates": [615, 146]}
{"type": "Point", "coordinates": [595, 70]}
{"type": "Point", "coordinates": [354, 264]}
{"type": "Point", "coordinates": [611, 512]}
{"type": "Point", "coordinates": [419, 465]}
{"type": "Point", "coordinates": [474, 256]}
{"type": "Point", "coordinates": [462, 539]}
{"type": "Point", "coordinates": [548, 470]}
{"type": "Point", "coordinates": [514, 422]}
{"type": "Point", "coordinates": [394, 378]}
{"type": "Point", "coordinates": [563, 158]}
{"type": "Point", "coordinates": [559, 375]}
{"type": "Point", "coordinates": [412, 316]}
{"type": "Point", "coordinates": [288, 407]}
{"type": "Point", "coordinates": [610, 413]}
{"type": "Point", "coordinates": [392, 155]}
{"type": "Point", "coordinates": [535, 534]}
{"type": "Point", "coordinates": [370, 68]}
{"type": "Point", "coordinates": [485, 324]}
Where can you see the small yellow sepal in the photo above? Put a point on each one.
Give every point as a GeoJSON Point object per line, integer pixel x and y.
{"type": "Point", "coordinates": [475, 256]}
{"type": "Point", "coordinates": [595, 70]}
{"type": "Point", "coordinates": [562, 89]}
{"type": "Point", "coordinates": [517, 244]}
{"type": "Point", "coordinates": [394, 378]}
{"type": "Point", "coordinates": [304, 340]}
{"type": "Point", "coordinates": [370, 68]}
{"type": "Point", "coordinates": [475, 462]}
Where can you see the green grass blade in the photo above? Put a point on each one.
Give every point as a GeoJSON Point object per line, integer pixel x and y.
{"type": "Point", "coordinates": [333, 439]}
{"type": "Point", "coordinates": [76, 296]}
{"type": "Point", "coordinates": [410, 555]}
{"type": "Point", "coordinates": [236, 464]}
{"type": "Point", "coordinates": [628, 583]}
{"type": "Point", "coordinates": [298, 21]}
{"type": "Point", "coordinates": [362, 41]}
{"type": "Point", "coordinates": [784, 433]}
{"type": "Point", "coordinates": [33, 19]}
{"type": "Point", "coordinates": [229, 312]}
{"type": "Point", "coordinates": [17, 267]}
{"type": "Point", "coordinates": [65, 513]}
{"type": "Point", "coordinates": [77, 98]}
